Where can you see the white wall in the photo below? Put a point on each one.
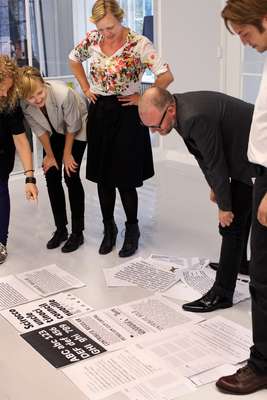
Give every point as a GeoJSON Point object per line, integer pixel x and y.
{"type": "Point", "coordinates": [189, 37]}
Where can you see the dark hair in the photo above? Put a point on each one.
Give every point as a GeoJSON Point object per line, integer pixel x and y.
{"type": "Point", "coordinates": [245, 12]}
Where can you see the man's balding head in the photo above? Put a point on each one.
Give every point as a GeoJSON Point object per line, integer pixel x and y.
{"type": "Point", "coordinates": [155, 97]}
{"type": "Point", "coordinates": [157, 110]}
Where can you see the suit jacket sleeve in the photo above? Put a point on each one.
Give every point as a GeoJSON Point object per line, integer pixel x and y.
{"type": "Point", "coordinates": [206, 144]}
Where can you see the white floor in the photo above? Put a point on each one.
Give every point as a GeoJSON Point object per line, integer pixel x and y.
{"type": "Point", "coordinates": [175, 217]}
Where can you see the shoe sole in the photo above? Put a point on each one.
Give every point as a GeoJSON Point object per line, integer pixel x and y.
{"type": "Point", "coordinates": [70, 251]}
{"type": "Point", "coordinates": [128, 254]}
{"type": "Point", "coordinates": [239, 392]}
{"type": "Point", "coordinates": [103, 253]}
{"type": "Point", "coordinates": [51, 248]}
{"type": "Point", "coordinates": [196, 310]}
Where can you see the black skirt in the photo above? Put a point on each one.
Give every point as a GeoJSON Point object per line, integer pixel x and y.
{"type": "Point", "coordinates": [119, 149]}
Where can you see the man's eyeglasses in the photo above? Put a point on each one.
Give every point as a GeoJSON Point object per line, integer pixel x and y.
{"type": "Point", "coordinates": [160, 123]}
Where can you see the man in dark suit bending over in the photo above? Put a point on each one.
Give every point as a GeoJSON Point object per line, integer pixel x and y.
{"type": "Point", "coordinates": [215, 129]}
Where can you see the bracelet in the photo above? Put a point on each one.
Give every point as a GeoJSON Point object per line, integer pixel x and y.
{"type": "Point", "coordinates": [30, 179]}
{"type": "Point", "coordinates": [28, 170]}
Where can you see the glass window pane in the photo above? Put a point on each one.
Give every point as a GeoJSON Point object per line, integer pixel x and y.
{"type": "Point", "coordinates": [251, 87]}
{"type": "Point", "coordinates": [13, 41]}
{"type": "Point", "coordinates": [13, 30]}
{"type": "Point", "coordinates": [135, 11]}
{"type": "Point", "coordinates": [253, 61]}
{"type": "Point", "coordinates": [52, 35]}
{"type": "Point", "coordinates": [252, 67]}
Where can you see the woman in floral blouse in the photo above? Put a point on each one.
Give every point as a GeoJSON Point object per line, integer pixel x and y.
{"type": "Point", "coordinates": [119, 149]}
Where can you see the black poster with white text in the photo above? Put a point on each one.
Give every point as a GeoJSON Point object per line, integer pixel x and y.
{"type": "Point", "coordinates": [63, 344]}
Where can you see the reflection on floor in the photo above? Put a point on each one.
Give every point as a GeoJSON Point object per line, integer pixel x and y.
{"type": "Point", "coordinates": [176, 217]}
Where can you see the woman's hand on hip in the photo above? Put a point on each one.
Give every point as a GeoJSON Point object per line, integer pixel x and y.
{"type": "Point", "coordinates": [70, 164]}
{"type": "Point", "coordinates": [49, 162]}
{"type": "Point", "coordinates": [131, 100]}
{"type": "Point", "coordinates": [90, 95]}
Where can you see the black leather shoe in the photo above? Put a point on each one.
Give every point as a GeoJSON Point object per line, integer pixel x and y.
{"type": "Point", "coordinates": [74, 241]}
{"type": "Point", "coordinates": [214, 265]}
{"type": "Point", "coordinates": [57, 238]}
{"type": "Point", "coordinates": [209, 302]}
{"type": "Point", "coordinates": [244, 268]}
{"type": "Point", "coordinates": [130, 244]}
{"type": "Point", "coordinates": [244, 381]}
{"type": "Point", "coordinates": [110, 236]}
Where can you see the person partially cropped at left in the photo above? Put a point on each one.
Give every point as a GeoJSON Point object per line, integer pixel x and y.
{"type": "Point", "coordinates": [119, 152]}
{"type": "Point", "coordinates": [57, 115]}
{"type": "Point", "coordinates": [12, 137]}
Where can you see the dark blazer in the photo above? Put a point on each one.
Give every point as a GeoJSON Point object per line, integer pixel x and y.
{"type": "Point", "coordinates": [215, 128]}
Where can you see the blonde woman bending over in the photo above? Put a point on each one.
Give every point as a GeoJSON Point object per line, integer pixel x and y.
{"type": "Point", "coordinates": [57, 115]}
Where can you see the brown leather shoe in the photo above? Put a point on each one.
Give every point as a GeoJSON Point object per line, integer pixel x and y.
{"type": "Point", "coordinates": [244, 381]}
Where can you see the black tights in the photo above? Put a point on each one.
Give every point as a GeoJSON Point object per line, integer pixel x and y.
{"type": "Point", "coordinates": [129, 199]}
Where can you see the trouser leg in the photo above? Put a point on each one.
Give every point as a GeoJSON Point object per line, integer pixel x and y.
{"type": "Point", "coordinates": [258, 283]}
{"type": "Point", "coordinates": [54, 183]}
{"type": "Point", "coordinates": [244, 262]}
{"type": "Point", "coordinates": [4, 211]}
{"type": "Point", "coordinates": [75, 189]}
{"type": "Point", "coordinates": [234, 240]}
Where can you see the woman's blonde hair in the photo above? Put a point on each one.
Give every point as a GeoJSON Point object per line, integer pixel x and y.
{"type": "Point", "coordinates": [102, 7]}
{"type": "Point", "coordinates": [29, 79]}
{"type": "Point", "coordinates": [9, 69]}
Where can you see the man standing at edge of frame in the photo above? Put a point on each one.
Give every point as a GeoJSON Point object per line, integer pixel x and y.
{"type": "Point", "coordinates": [248, 20]}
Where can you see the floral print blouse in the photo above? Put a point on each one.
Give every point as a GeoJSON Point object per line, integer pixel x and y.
{"type": "Point", "coordinates": [121, 73]}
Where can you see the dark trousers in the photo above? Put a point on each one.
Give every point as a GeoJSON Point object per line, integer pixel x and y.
{"type": "Point", "coordinates": [4, 211]}
{"type": "Point", "coordinates": [73, 182]}
{"type": "Point", "coordinates": [234, 240]}
{"type": "Point", "coordinates": [258, 283]}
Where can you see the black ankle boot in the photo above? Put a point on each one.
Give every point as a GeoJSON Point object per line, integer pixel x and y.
{"type": "Point", "coordinates": [58, 237]}
{"type": "Point", "coordinates": [110, 236]}
{"type": "Point", "coordinates": [130, 244]}
{"type": "Point", "coordinates": [74, 241]}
